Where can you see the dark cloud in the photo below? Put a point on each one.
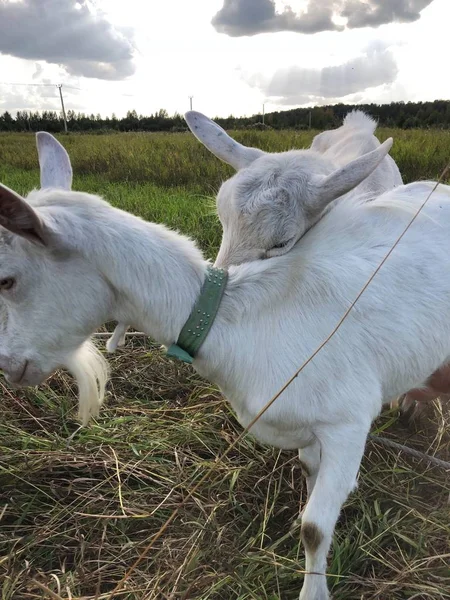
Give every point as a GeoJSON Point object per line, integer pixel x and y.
{"type": "Point", "coordinates": [298, 85]}
{"type": "Point", "coordinates": [250, 17]}
{"type": "Point", "coordinates": [68, 33]}
{"type": "Point", "coordinates": [379, 12]}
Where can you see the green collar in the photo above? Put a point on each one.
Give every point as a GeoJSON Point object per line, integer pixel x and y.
{"type": "Point", "coordinates": [201, 318]}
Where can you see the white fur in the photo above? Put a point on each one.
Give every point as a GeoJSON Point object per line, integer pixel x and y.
{"type": "Point", "coordinates": [101, 263]}
{"type": "Point", "coordinates": [54, 162]}
{"type": "Point", "coordinates": [219, 142]}
{"type": "Point", "coordinates": [56, 172]}
{"type": "Point", "coordinates": [275, 198]}
{"type": "Point", "coordinates": [354, 138]}
{"type": "Point", "coordinates": [117, 340]}
{"type": "Point", "coordinates": [90, 370]}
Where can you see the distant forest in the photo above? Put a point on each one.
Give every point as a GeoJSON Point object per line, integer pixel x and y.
{"type": "Point", "coordinates": [405, 115]}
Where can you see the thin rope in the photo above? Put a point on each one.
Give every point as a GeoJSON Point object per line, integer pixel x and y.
{"type": "Point", "coordinates": [373, 438]}
{"type": "Point", "coordinates": [271, 401]}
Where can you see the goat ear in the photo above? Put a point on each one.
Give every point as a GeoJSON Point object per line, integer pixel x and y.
{"type": "Point", "coordinates": [54, 162]}
{"type": "Point", "coordinates": [219, 142]}
{"type": "Point", "coordinates": [20, 218]}
{"type": "Point", "coordinates": [348, 177]}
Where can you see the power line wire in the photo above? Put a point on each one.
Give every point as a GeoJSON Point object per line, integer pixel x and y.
{"type": "Point", "coordinates": [72, 87]}
{"type": "Point", "coordinates": [33, 84]}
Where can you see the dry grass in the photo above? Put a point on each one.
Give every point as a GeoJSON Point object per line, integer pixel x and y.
{"type": "Point", "coordinates": [79, 505]}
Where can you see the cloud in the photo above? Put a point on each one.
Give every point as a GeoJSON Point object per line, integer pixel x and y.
{"type": "Point", "coordinates": [39, 69]}
{"type": "Point", "coordinates": [39, 98]}
{"type": "Point", "coordinates": [42, 94]}
{"type": "Point", "coordinates": [379, 12]}
{"type": "Point", "coordinates": [298, 85]}
{"type": "Point", "coordinates": [68, 33]}
{"type": "Point", "coordinates": [249, 17]}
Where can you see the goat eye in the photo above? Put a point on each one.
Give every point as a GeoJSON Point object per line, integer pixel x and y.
{"type": "Point", "coordinates": [280, 245]}
{"type": "Point", "coordinates": [7, 283]}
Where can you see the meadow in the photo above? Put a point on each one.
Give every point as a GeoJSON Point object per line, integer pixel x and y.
{"type": "Point", "coordinates": [78, 506]}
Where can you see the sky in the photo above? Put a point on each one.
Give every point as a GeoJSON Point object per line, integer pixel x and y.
{"type": "Point", "coordinates": [232, 56]}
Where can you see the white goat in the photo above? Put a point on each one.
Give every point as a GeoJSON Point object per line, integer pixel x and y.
{"type": "Point", "coordinates": [56, 172]}
{"type": "Point", "coordinates": [354, 138]}
{"type": "Point", "coordinates": [271, 201]}
{"type": "Point", "coordinates": [266, 207]}
{"type": "Point", "coordinates": [243, 215]}
{"type": "Point", "coordinates": [70, 262]}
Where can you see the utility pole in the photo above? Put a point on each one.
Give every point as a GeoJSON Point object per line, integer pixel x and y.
{"type": "Point", "coordinates": [264, 104]}
{"type": "Point", "coordinates": [59, 86]}
{"type": "Point", "coordinates": [309, 120]}
{"type": "Point", "coordinates": [190, 101]}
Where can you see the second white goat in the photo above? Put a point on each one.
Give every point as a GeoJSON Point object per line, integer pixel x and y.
{"type": "Point", "coordinates": [272, 200]}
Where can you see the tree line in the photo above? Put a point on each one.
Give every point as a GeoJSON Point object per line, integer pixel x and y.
{"type": "Point", "coordinates": [404, 115]}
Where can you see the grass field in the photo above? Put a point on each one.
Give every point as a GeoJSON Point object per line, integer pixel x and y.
{"type": "Point", "coordinates": [77, 506]}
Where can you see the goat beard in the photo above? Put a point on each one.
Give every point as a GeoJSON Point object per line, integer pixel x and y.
{"type": "Point", "coordinates": [91, 372]}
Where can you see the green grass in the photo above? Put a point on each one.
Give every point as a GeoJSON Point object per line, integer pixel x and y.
{"type": "Point", "coordinates": [78, 506]}
{"type": "Point", "coordinates": [174, 160]}
{"type": "Point", "coordinates": [187, 209]}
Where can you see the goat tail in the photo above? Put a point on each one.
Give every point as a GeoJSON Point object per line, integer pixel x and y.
{"type": "Point", "coordinates": [357, 119]}
{"type": "Point", "coordinates": [91, 372]}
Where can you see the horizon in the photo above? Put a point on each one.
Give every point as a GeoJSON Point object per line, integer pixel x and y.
{"type": "Point", "coordinates": [219, 117]}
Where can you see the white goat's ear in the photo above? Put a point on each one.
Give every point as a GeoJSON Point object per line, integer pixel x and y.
{"type": "Point", "coordinates": [20, 218]}
{"type": "Point", "coordinates": [348, 177]}
{"type": "Point", "coordinates": [219, 142]}
{"type": "Point", "coordinates": [54, 162]}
